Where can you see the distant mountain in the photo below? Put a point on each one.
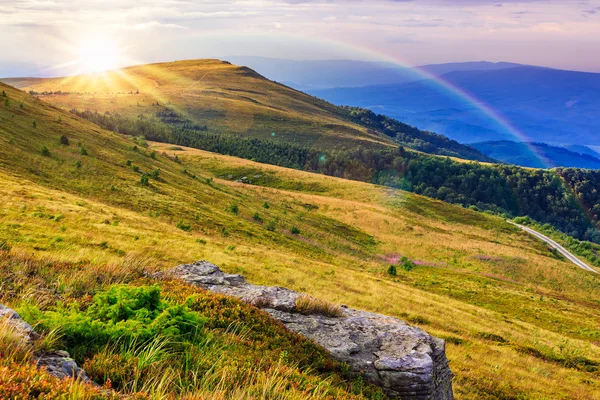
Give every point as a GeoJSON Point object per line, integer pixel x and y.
{"type": "Point", "coordinates": [536, 155]}
{"type": "Point", "coordinates": [441, 69]}
{"type": "Point", "coordinates": [544, 105]}
{"type": "Point", "coordinates": [577, 148]}
{"type": "Point", "coordinates": [321, 74]}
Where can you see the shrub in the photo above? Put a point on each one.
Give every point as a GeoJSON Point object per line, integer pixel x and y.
{"type": "Point", "coordinates": [266, 205]}
{"type": "Point", "coordinates": [144, 179]}
{"type": "Point", "coordinates": [128, 163]}
{"type": "Point", "coordinates": [156, 173]}
{"type": "Point", "coordinates": [121, 314]}
{"type": "Point", "coordinates": [59, 119]}
{"type": "Point", "coordinates": [294, 230]}
{"type": "Point", "coordinates": [78, 164]}
{"type": "Point", "coordinates": [234, 209]}
{"type": "Point", "coordinates": [64, 140]}
{"type": "Point", "coordinates": [153, 155]}
{"type": "Point", "coordinates": [83, 151]}
{"type": "Point", "coordinates": [44, 151]}
{"type": "Point", "coordinates": [136, 168]}
{"type": "Point", "coordinates": [21, 105]}
{"type": "Point", "coordinates": [310, 306]}
{"type": "Point", "coordinates": [4, 94]}
{"type": "Point", "coordinates": [34, 124]}
{"type": "Point", "coordinates": [183, 226]}
{"type": "Point", "coordinates": [407, 264]}
{"type": "Point", "coordinates": [272, 225]}
{"type": "Point", "coordinates": [6, 103]}
{"type": "Point", "coordinates": [257, 217]}
{"type": "Point", "coordinates": [392, 270]}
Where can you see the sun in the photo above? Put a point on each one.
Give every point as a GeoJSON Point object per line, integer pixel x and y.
{"type": "Point", "coordinates": [97, 55]}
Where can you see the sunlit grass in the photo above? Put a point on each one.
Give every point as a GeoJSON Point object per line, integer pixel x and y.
{"type": "Point", "coordinates": [475, 274]}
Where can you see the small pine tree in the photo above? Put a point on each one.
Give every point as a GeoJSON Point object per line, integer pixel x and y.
{"type": "Point", "coordinates": [234, 209]}
{"type": "Point", "coordinates": [294, 230]}
{"type": "Point", "coordinates": [257, 217]}
{"type": "Point", "coordinates": [144, 179]}
{"type": "Point", "coordinates": [83, 151]}
{"type": "Point", "coordinates": [45, 152]}
{"type": "Point", "coordinates": [34, 124]}
{"type": "Point", "coordinates": [156, 173]}
{"type": "Point", "coordinates": [64, 140]}
{"type": "Point", "coordinates": [6, 103]}
{"type": "Point", "coordinates": [392, 270]}
{"type": "Point", "coordinates": [266, 205]}
{"type": "Point", "coordinates": [21, 106]}
{"type": "Point", "coordinates": [4, 94]}
{"type": "Point", "coordinates": [153, 155]}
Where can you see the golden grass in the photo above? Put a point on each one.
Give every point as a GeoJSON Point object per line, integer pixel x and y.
{"type": "Point", "coordinates": [311, 306]}
{"type": "Point", "coordinates": [475, 273]}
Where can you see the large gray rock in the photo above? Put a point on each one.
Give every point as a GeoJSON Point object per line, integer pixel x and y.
{"type": "Point", "coordinates": [57, 363]}
{"type": "Point", "coordinates": [405, 361]}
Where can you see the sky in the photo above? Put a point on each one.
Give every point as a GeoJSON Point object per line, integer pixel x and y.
{"type": "Point", "coordinates": [51, 37]}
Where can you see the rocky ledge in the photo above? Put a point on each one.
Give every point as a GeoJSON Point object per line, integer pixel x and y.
{"type": "Point", "coordinates": [405, 361]}
{"type": "Point", "coordinates": [57, 363]}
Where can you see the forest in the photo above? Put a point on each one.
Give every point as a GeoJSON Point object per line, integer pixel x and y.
{"type": "Point", "coordinates": [567, 199]}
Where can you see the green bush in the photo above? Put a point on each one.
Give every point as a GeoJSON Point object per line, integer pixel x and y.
{"type": "Point", "coordinates": [156, 173]}
{"type": "Point", "coordinates": [407, 264]}
{"type": "Point", "coordinates": [392, 270]}
{"type": "Point", "coordinates": [144, 179]}
{"type": "Point", "coordinates": [183, 226]}
{"type": "Point", "coordinates": [44, 151]}
{"type": "Point", "coordinates": [64, 140]}
{"type": "Point", "coordinates": [294, 230]}
{"type": "Point", "coordinates": [272, 226]}
{"type": "Point", "coordinates": [257, 217]}
{"type": "Point", "coordinates": [234, 209]}
{"type": "Point", "coordinates": [266, 205]}
{"type": "Point", "coordinates": [121, 314]}
{"type": "Point", "coordinates": [83, 151]}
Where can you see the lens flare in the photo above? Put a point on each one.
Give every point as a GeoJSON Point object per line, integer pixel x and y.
{"type": "Point", "coordinates": [97, 55]}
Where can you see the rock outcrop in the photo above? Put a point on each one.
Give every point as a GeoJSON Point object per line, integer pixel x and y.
{"type": "Point", "coordinates": [57, 363]}
{"type": "Point", "coordinates": [405, 361]}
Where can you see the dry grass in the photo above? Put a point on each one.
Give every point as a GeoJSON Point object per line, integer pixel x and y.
{"type": "Point", "coordinates": [308, 305]}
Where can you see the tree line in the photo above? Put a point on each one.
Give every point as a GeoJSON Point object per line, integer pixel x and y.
{"type": "Point", "coordinates": [568, 199]}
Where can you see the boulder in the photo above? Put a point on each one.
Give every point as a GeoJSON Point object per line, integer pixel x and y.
{"type": "Point", "coordinates": [57, 363]}
{"type": "Point", "coordinates": [405, 361]}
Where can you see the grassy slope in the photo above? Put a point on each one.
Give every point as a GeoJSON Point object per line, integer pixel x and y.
{"type": "Point", "coordinates": [225, 97]}
{"type": "Point", "coordinates": [480, 278]}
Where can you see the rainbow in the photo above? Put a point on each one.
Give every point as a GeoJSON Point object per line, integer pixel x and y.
{"type": "Point", "coordinates": [450, 89]}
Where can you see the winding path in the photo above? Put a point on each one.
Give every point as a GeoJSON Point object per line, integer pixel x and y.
{"type": "Point", "coordinates": [558, 247]}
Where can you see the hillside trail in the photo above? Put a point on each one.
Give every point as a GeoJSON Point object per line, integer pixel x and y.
{"type": "Point", "coordinates": [568, 255]}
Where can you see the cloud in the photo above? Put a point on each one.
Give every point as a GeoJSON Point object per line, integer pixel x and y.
{"type": "Point", "coordinates": [419, 31]}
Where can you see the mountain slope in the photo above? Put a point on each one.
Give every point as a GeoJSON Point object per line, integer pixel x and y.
{"type": "Point", "coordinates": [219, 97]}
{"type": "Point", "coordinates": [546, 105]}
{"type": "Point", "coordinates": [536, 155]}
{"type": "Point", "coordinates": [79, 221]}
